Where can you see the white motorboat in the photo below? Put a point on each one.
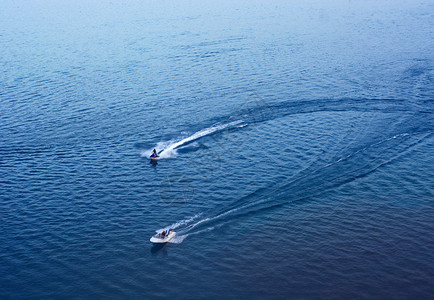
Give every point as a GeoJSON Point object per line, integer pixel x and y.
{"type": "Point", "coordinates": [163, 237]}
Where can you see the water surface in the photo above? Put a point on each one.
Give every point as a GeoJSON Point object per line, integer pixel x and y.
{"type": "Point", "coordinates": [296, 142]}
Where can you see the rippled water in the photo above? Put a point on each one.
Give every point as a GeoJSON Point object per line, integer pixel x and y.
{"type": "Point", "coordinates": [296, 142]}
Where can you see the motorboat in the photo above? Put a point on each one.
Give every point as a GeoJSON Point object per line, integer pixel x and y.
{"type": "Point", "coordinates": [163, 237]}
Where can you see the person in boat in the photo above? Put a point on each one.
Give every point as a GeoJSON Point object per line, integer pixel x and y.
{"type": "Point", "coordinates": [154, 153]}
{"type": "Point", "coordinates": [163, 234]}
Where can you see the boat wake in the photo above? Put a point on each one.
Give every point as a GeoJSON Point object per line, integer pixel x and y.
{"type": "Point", "coordinates": [168, 149]}
{"type": "Point", "coordinates": [309, 184]}
{"type": "Point", "coordinates": [351, 159]}
{"type": "Point", "coordinates": [186, 226]}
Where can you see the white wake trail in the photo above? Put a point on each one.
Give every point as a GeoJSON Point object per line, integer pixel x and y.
{"type": "Point", "coordinates": [180, 223]}
{"type": "Point", "coordinates": [169, 147]}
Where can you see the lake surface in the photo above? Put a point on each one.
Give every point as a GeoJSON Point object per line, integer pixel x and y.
{"type": "Point", "coordinates": [296, 142]}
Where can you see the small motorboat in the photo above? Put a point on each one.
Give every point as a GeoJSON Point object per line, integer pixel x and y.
{"type": "Point", "coordinates": [163, 237]}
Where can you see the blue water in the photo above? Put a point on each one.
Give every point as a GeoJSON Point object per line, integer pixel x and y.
{"type": "Point", "coordinates": [296, 142]}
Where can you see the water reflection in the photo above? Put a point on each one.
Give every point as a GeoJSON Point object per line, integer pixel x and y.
{"type": "Point", "coordinates": [159, 249]}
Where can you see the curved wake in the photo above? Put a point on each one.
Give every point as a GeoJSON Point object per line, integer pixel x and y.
{"type": "Point", "coordinates": [350, 171]}
{"type": "Point", "coordinates": [168, 149]}
{"type": "Point", "coordinates": [319, 176]}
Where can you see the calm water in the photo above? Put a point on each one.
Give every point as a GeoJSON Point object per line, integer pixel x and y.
{"type": "Point", "coordinates": [297, 145]}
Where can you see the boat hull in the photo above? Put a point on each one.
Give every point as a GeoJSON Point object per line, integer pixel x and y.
{"type": "Point", "coordinates": [157, 240]}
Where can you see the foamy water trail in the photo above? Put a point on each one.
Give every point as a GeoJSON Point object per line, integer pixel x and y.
{"type": "Point", "coordinates": [179, 223]}
{"type": "Point", "coordinates": [178, 239]}
{"type": "Point", "coordinates": [169, 147]}
{"type": "Point", "coordinates": [185, 226]}
{"type": "Point", "coordinates": [168, 152]}
{"type": "Point", "coordinates": [200, 224]}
